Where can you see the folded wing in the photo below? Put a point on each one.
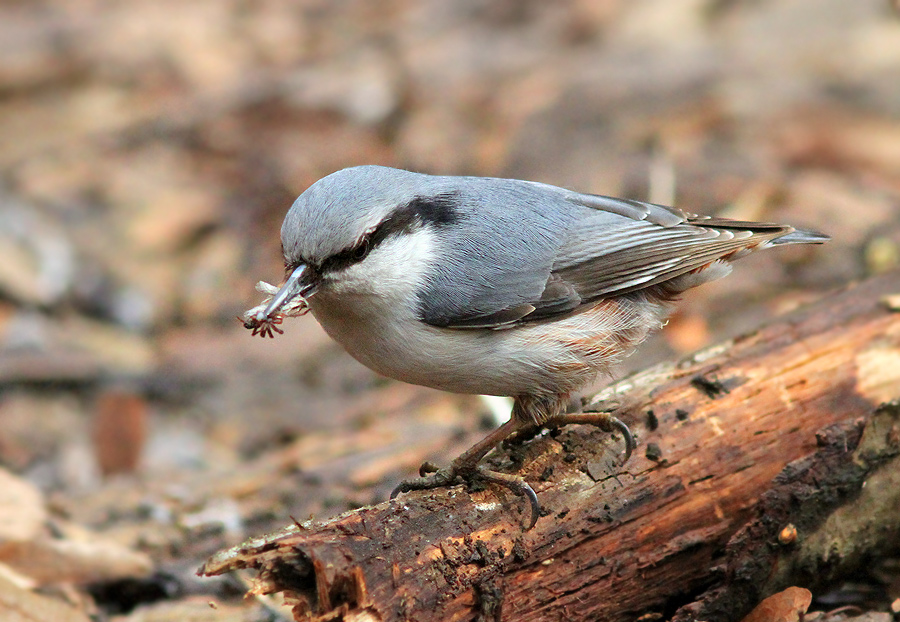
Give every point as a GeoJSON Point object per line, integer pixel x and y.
{"type": "Point", "coordinates": [642, 245]}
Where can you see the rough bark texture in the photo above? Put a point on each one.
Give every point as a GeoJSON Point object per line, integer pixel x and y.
{"type": "Point", "coordinates": [736, 444]}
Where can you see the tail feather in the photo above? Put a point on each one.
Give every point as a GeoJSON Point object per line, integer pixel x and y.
{"type": "Point", "coordinates": [801, 236]}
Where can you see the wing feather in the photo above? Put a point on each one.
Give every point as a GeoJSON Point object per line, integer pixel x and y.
{"type": "Point", "coordinates": [617, 246]}
{"type": "Point", "coordinates": [659, 257]}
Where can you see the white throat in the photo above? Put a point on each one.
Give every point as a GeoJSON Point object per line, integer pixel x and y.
{"type": "Point", "coordinates": [370, 307]}
{"type": "Point", "coordinates": [394, 271]}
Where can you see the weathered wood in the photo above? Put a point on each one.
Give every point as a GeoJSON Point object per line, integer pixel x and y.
{"type": "Point", "coordinates": [615, 542]}
{"type": "Point", "coordinates": [824, 516]}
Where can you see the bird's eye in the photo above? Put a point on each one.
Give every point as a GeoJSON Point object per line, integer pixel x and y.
{"type": "Point", "coordinates": [360, 252]}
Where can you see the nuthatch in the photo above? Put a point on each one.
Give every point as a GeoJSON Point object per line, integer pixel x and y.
{"type": "Point", "coordinates": [494, 286]}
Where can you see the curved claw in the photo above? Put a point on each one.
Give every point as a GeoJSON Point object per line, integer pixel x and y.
{"type": "Point", "coordinates": [426, 468]}
{"type": "Point", "coordinates": [448, 476]}
{"type": "Point", "coordinates": [630, 444]}
{"type": "Point", "coordinates": [605, 422]}
{"type": "Point", "coordinates": [518, 486]}
{"type": "Point", "coordinates": [397, 490]}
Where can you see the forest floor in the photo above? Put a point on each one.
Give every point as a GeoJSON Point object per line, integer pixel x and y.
{"type": "Point", "coordinates": [149, 150]}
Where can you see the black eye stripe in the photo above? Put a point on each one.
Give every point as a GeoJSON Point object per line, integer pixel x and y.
{"type": "Point", "coordinates": [349, 256]}
{"type": "Point", "coordinates": [437, 211]}
{"type": "Point", "coordinates": [362, 249]}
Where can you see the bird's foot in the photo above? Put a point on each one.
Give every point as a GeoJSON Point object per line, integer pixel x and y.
{"type": "Point", "coordinates": [517, 486]}
{"type": "Point", "coordinates": [432, 477]}
{"type": "Point", "coordinates": [427, 480]}
{"type": "Point", "coordinates": [603, 420]}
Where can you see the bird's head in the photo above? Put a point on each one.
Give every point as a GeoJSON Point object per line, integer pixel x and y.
{"type": "Point", "coordinates": [362, 230]}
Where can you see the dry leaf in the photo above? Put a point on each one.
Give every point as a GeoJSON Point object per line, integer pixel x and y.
{"type": "Point", "coordinates": [21, 605]}
{"type": "Point", "coordinates": [892, 302]}
{"type": "Point", "coordinates": [22, 512]}
{"type": "Point", "coordinates": [120, 430]}
{"type": "Point", "coordinates": [193, 610]}
{"type": "Point", "coordinates": [16, 578]}
{"type": "Point", "coordinates": [784, 606]}
{"type": "Point", "coordinates": [87, 559]}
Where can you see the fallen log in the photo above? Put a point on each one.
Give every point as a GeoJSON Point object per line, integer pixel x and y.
{"type": "Point", "coordinates": [715, 430]}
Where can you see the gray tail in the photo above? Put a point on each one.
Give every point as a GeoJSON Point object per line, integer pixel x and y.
{"type": "Point", "coordinates": [801, 236]}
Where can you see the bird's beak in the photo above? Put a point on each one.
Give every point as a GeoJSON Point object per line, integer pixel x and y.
{"type": "Point", "coordinates": [301, 282]}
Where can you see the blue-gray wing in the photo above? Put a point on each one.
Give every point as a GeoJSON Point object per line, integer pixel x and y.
{"type": "Point", "coordinates": [493, 267]}
{"type": "Point", "coordinates": [553, 251]}
{"type": "Point", "coordinates": [601, 261]}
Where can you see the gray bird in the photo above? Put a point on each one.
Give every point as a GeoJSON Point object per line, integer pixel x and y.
{"type": "Point", "coordinates": [495, 286]}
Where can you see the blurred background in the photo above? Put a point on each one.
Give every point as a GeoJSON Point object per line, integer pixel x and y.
{"type": "Point", "coordinates": [150, 149]}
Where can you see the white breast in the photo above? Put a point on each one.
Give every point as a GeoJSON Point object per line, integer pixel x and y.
{"type": "Point", "coordinates": [372, 312]}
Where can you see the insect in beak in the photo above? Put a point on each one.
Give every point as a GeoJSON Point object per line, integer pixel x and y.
{"type": "Point", "coordinates": [289, 300]}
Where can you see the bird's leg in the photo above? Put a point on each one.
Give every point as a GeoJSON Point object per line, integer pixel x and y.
{"type": "Point", "coordinates": [467, 467]}
{"type": "Point", "coordinates": [464, 465]}
{"type": "Point", "coordinates": [526, 419]}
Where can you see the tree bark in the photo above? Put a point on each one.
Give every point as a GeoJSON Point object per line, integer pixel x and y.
{"type": "Point", "coordinates": [737, 443]}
